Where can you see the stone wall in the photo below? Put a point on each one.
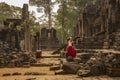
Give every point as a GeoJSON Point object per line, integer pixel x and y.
{"type": "Point", "coordinates": [100, 21]}
{"type": "Point", "coordinates": [19, 39]}
{"type": "Point", "coordinates": [48, 39]}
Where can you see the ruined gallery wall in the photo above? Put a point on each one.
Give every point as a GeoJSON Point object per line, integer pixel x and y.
{"type": "Point", "coordinates": [48, 39]}
{"type": "Point", "coordinates": [15, 37]}
{"type": "Point", "coordinates": [99, 22]}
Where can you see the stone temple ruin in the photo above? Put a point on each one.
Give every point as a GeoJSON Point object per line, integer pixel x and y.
{"type": "Point", "coordinates": [99, 30]}
{"type": "Point", "coordinates": [15, 37]}
{"type": "Point", "coordinates": [15, 45]}
{"type": "Point", "coordinates": [99, 26]}
{"type": "Point", "coordinates": [92, 64]}
{"type": "Point", "coordinates": [48, 39]}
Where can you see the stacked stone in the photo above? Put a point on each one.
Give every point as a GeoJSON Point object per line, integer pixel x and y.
{"type": "Point", "coordinates": [96, 64]}
{"type": "Point", "coordinates": [88, 64]}
{"type": "Point", "coordinates": [101, 64]}
{"type": "Point", "coordinates": [112, 64]}
{"type": "Point", "coordinates": [84, 57]}
{"type": "Point", "coordinates": [14, 58]}
{"type": "Point", "coordinates": [116, 41]}
{"type": "Point", "coordinates": [4, 45]}
{"type": "Point", "coordinates": [91, 43]}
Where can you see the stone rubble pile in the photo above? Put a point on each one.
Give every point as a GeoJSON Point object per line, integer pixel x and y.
{"type": "Point", "coordinates": [15, 58]}
{"type": "Point", "coordinates": [94, 65]}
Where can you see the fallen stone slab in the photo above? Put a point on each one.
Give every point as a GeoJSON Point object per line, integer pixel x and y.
{"type": "Point", "coordinates": [6, 74]}
{"type": "Point", "coordinates": [59, 72]}
{"type": "Point", "coordinates": [31, 79]}
{"type": "Point", "coordinates": [70, 67]}
{"type": "Point", "coordinates": [37, 73]}
{"type": "Point", "coordinates": [84, 73]}
{"type": "Point", "coordinates": [34, 73]}
{"type": "Point", "coordinates": [16, 73]}
{"type": "Point", "coordinates": [53, 68]}
{"type": "Point", "coordinates": [51, 56]}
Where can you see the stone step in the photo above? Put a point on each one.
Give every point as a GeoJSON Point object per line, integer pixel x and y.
{"type": "Point", "coordinates": [116, 43]}
{"type": "Point", "coordinates": [53, 68]}
{"type": "Point", "coordinates": [51, 56]}
{"type": "Point", "coordinates": [86, 51]}
{"type": "Point", "coordinates": [105, 47]}
{"type": "Point", "coordinates": [116, 33]}
{"type": "Point", "coordinates": [41, 64]}
{"type": "Point", "coordinates": [106, 43]}
{"type": "Point", "coordinates": [113, 72]}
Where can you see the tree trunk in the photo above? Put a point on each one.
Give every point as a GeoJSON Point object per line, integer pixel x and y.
{"type": "Point", "coordinates": [63, 33]}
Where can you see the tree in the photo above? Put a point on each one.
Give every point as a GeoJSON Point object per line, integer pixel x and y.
{"type": "Point", "coordinates": [7, 11]}
{"type": "Point", "coordinates": [43, 4]}
{"type": "Point", "coordinates": [68, 14]}
{"type": "Point", "coordinates": [34, 26]}
{"type": "Point", "coordinates": [16, 12]}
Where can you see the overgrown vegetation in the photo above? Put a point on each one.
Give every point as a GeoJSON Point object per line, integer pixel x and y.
{"type": "Point", "coordinates": [67, 16]}
{"type": "Point", "coordinates": [65, 19]}
{"type": "Point", "coordinates": [9, 11]}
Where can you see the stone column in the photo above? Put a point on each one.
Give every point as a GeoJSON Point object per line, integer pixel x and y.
{"type": "Point", "coordinates": [25, 18]}
{"type": "Point", "coordinates": [82, 30]}
{"type": "Point", "coordinates": [84, 26]}
{"type": "Point", "coordinates": [79, 29]}
{"type": "Point", "coordinates": [38, 40]}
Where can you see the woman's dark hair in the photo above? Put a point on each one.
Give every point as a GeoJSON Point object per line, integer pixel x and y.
{"type": "Point", "coordinates": [68, 39]}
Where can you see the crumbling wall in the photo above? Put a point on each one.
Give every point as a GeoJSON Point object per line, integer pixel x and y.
{"type": "Point", "coordinates": [20, 39]}
{"type": "Point", "coordinates": [15, 58]}
{"type": "Point", "coordinates": [48, 39]}
{"type": "Point", "coordinates": [100, 24]}
{"type": "Point", "coordinates": [93, 64]}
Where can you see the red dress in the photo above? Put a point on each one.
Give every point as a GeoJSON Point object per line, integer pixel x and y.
{"type": "Point", "coordinates": [70, 51]}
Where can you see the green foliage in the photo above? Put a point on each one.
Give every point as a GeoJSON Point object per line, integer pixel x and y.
{"type": "Point", "coordinates": [18, 27]}
{"type": "Point", "coordinates": [34, 29]}
{"type": "Point", "coordinates": [11, 24]}
{"type": "Point", "coordinates": [16, 12]}
{"type": "Point", "coordinates": [34, 26]}
{"type": "Point", "coordinates": [69, 11]}
{"type": "Point", "coordinates": [7, 11]}
{"type": "Point", "coordinates": [45, 4]}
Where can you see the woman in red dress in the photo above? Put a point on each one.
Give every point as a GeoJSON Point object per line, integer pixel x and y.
{"type": "Point", "coordinates": [71, 52]}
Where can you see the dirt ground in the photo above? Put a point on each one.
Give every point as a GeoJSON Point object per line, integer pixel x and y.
{"type": "Point", "coordinates": [49, 75]}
